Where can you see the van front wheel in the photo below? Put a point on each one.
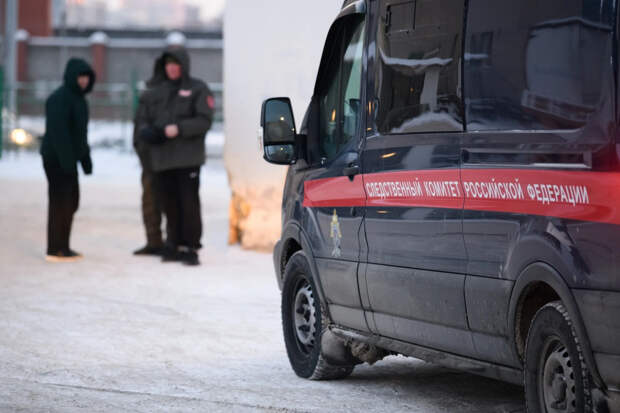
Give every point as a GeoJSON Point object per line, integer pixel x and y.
{"type": "Point", "coordinates": [556, 377]}
{"type": "Point", "coordinates": [303, 323]}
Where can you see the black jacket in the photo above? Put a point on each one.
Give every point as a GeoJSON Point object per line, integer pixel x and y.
{"type": "Point", "coordinates": [66, 121]}
{"type": "Point", "coordinates": [141, 123]}
{"type": "Point", "coordinates": [187, 103]}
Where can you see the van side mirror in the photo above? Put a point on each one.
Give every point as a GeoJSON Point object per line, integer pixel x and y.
{"type": "Point", "coordinates": [279, 131]}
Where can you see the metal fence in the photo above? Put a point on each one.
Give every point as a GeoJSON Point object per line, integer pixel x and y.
{"type": "Point", "coordinates": [108, 102]}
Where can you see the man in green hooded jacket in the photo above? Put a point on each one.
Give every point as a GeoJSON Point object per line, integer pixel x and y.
{"type": "Point", "coordinates": [64, 145]}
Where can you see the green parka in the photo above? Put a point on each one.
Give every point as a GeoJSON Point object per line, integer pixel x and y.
{"type": "Point", "coordinates": [66, 121]}
{"type": "Point", "coordinates": [187, 103]}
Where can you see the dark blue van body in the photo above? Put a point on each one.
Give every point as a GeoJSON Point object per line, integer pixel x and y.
{"type": "Point", "coordinates": [457, 170]}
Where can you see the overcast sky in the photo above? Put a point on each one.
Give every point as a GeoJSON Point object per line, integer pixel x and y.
{"type": "Point", "coordinates": [209, 8]}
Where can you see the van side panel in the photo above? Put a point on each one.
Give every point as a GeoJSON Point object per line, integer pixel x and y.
{"type": "Point", "coordinates": [538, 161]}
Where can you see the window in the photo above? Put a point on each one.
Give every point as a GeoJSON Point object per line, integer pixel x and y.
{"type": "Point", "coordinates": [533, 65]}
{"type": "Point", "coordinates": [340, 95]}
{"type": "Point", "coordinates": [417, 78]}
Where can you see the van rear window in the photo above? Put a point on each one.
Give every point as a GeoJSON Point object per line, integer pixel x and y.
{"type": "Point", "coordinates": [533, 65]}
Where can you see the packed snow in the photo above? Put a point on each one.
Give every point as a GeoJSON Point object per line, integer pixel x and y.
{"type": "Point", "coordinates": [116, 333]}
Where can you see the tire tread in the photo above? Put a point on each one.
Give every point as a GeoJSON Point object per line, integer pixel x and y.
{"type": "Point", "coordinates": [586, 380]}
{"type": "Point", "coordinates": [322, 370]}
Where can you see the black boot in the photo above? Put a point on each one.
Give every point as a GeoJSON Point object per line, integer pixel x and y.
{"type": "Point", "coordinates": [171, 254]}
{"type": "Point", "coordinates": [190, 257]}
{"type": "Point", "coordinates": [149, 250]}
{"type": "Point", "coordinates": [65, 255]}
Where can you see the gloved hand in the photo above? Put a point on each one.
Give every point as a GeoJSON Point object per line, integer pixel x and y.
{"type": "Point", "coordinates": [152, 135]}
{"type": "Point", "coordinates": [87, 164]}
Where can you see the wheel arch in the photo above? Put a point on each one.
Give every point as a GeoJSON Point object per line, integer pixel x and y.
{"type": "Point", "coordinates": [290, 244]}
{"type": "Point", "coordinates": [538, 284]}
{"type": "Point", "coordinates": [293, 240]}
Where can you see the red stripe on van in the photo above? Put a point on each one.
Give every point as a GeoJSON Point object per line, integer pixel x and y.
{"type": "Point", "coordinates": [334, 192]}
{"type": "Point", "coordinates": [432, 188]}
{"type": "Point", "coordinates": [579, 195]}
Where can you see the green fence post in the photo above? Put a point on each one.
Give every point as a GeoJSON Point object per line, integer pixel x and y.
{"type": "Point", "coordinates": [1, 109]}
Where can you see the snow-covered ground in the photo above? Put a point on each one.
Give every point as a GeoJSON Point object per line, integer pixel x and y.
{"type": "Point", "coordinates": [117, 333]}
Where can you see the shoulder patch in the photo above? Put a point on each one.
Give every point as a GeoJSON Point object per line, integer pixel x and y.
{"type": "Point", "coordinates": [210, 101]}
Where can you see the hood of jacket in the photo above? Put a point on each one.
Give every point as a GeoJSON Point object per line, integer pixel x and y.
{"type": "Point", "coordinates": [180, 54]}
{"type": "Point", "coordinates": [158, 75]}
{"type": "Point", "coordinates": [76, 67]}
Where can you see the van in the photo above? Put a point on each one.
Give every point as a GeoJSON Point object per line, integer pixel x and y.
{"type": "Point", "coordinates": [453, 194]}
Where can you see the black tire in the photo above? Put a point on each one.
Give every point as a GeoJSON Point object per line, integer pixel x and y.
{"type": "Point", "coordinates": [302, 311]}
{"type": "Point", "coordinates": [555, 375]}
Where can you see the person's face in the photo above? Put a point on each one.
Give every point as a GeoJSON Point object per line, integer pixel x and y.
{"type": "Point", "coordinates": [173, 70]}
{"type": "Point", "coordinates": [83, 81]}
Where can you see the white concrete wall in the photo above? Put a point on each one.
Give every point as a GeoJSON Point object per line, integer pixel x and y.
{"type": "Point", "coordinates": [271, 48]}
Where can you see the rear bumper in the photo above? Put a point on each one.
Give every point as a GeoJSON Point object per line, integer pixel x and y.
{"type": "Point", "coordinates": [606, 403]}
{"type": "Point", "coordinates": [609, 369]}
{"type": "Point", "coordinates": [600, 311]}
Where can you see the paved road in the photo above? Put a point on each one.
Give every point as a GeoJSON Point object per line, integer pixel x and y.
{"type": "Point", "coordinates": [114, 333]}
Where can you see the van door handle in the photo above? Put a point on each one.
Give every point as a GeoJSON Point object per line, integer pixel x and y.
{"type": "Point", "coordinates": [351, 171]}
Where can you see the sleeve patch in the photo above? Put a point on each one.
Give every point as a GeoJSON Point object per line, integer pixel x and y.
{"type": "Point", "coordinates": [210, 102]}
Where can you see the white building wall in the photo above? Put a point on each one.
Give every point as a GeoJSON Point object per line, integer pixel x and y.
{"type": "Point", "coordinates": [271, 48]}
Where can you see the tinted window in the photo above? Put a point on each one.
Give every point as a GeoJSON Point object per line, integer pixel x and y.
{"type": "Point", "coordinates": [340, 95]}
{"type": "Point", "coordinates": [418, 49]}
{"type": "Point", "coordinates": [534, 65]}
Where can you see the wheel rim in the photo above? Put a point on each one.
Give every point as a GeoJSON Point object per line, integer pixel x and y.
{"type": "Point", "coordinates": [556, 379]}
{"type": "Point", "coordinates": [304, 316]}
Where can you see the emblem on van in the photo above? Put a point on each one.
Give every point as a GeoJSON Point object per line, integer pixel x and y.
{"type": "Point", "coordinates": [336, 235]}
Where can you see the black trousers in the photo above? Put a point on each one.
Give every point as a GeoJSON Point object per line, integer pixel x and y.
{"type": "Point", "coordinates": [64, 198]}
{"type": "Point", "coordinates": [151, 209]}
{"type": "Point", "coordinates": [178, 194]}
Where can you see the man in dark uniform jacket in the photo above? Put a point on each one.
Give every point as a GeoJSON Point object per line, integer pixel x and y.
{"type": "Point", "coordinates": [64, 145]}
{"type": "Point", "coordinates": [177, 114]}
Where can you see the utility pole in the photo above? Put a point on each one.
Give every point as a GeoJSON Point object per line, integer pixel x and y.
{"type": "Point", "coordinates": [63, 33]}
{"type": "Point", "coordinates": [1, 109]}
{"type": "Point", "coordinates": [10, 55]}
